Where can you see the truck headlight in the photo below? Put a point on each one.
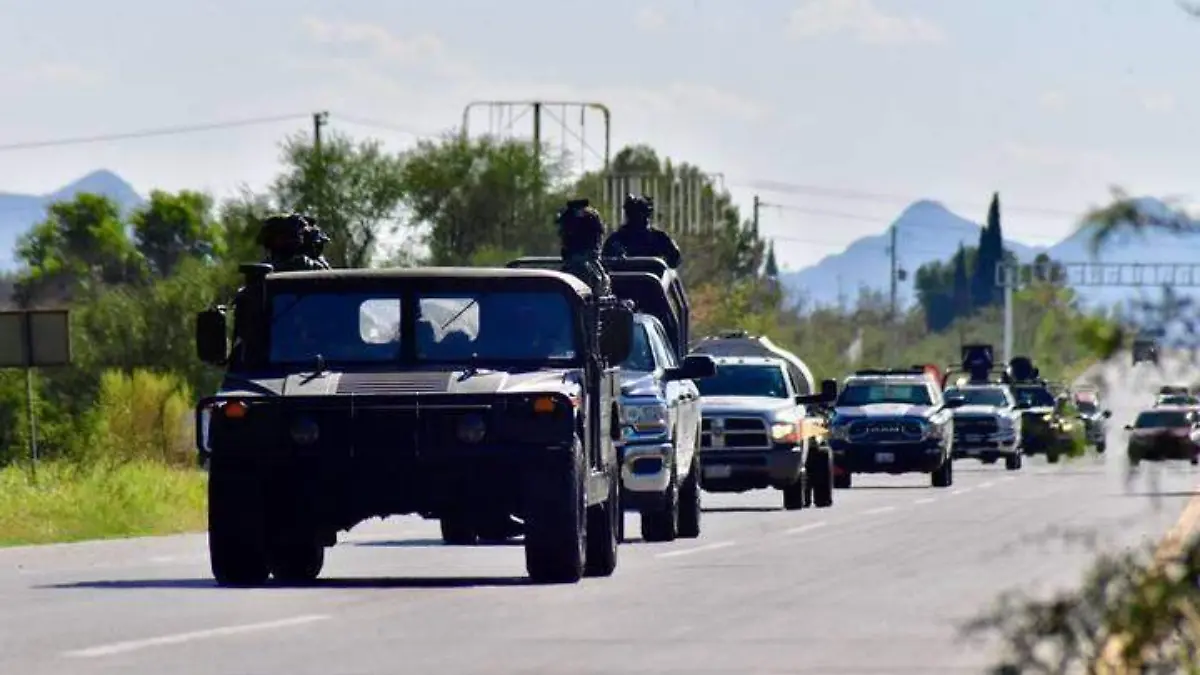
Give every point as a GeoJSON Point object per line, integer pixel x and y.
{"type": "Point", "coordinates": [785, 432]}
{"type": "Point", "coordinates": [645, 417]}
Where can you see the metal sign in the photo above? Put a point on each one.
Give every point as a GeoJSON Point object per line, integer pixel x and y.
{"type": "Point", "coordinates": [36, 338]}
{"type": "Point", "coordinates": [1091, 274]}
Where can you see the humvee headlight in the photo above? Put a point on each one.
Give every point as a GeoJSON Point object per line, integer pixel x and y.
{"type": "Point", "coordinates": [305, 431]}
{"type": "Point", "coordinates": [471, 428]}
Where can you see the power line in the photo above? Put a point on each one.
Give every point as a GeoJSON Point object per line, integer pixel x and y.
{"type": "Point", "coordinates": [148, 133]}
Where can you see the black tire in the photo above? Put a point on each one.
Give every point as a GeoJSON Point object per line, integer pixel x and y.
{"type": "Point", "coordinates": [820, 479]}
{"type": "Point", "coordinates": [457, 531]}
{"type": "Point", "coordinates": [796, 494]}
{"type": "Point", "coordinates": [297, 562]}
{"type": "Point", "coordinates": [555, 527]}
{"type": "Point", "coordinates": [236, 526]}
{"type": "Point", "coordinates": [842, 481]}
{"type": "Point", "coordinates": [602, 541]}
{"type": "Point", "coordinates": [690, 506]}
{"type": "Point", "coordinates": [1052, 457]}
{"type": "Point", "coordinates": [1100, 448]}
{"type": "Point", "coordinates": [943, 477]}
{"type": "Point", "coordinates": [661, 523]}
{"type": "Point", "coordinates": [1013, 462]}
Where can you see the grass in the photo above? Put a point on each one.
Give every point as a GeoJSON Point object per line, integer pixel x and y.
{"type": "Point", "coordinates": [68, 502]}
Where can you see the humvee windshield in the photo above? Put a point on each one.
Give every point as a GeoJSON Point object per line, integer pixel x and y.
{"type": "Point", "coordinates": [365, 327]}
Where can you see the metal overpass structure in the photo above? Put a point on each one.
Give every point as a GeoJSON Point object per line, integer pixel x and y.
{"type": "Point", "coordinates": [1089, 274]}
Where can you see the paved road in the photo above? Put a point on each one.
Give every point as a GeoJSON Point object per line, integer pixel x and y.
{"type": "Point", "coordinates": [875, 584]}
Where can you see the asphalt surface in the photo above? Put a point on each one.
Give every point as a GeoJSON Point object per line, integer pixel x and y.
{"type": "Point", "coordinates": [876, 584]}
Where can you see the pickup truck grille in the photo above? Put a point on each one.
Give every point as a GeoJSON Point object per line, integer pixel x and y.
{"type": "Point", "coordinates": [883, 430]}
{"type": "Point", "coordinates": [976, 425]}
{"type": "Point", "coordinates": [738, 433]}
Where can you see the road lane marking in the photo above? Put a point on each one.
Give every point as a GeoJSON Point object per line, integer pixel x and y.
{"type": "Point", "coordinates": [984, 486]}
{"type": "Point", "coordinates": [962, 491]}
{"type": "Point", "coordinates": [882, 509]}
{"type": "Point", "coordinates": [926, 500]}
{"type": "Point", "coordinates": [179, 638]}
{"type": "Point", "coordinates": [697, 549]}
{"type": "Point", "coordinates": [806, 528]}
{"type": "Point", "coordinates": [1007, 479]}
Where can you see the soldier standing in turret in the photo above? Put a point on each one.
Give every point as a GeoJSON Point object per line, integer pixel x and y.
{"type": "Point", "coordinates": [581, 231]}
{"type": "Point", "coordinates": [637, 238]}
{"type": "Point", "coordinates": [291, 242]}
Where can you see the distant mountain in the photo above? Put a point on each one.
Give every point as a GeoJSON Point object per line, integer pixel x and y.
{"type": "Point", "coordinates": [18, 213]}
{"type": "Point", "coordinates": [927, 231]}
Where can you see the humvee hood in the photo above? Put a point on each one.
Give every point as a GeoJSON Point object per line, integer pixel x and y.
{"type": "Point", "coordinates": [456, 381]}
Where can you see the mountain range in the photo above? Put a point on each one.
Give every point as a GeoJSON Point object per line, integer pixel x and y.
{"type": "Point", "coordinates": [926, 231]}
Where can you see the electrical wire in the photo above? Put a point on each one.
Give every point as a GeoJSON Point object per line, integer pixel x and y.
{"type": "Point", "coordinates": [148, 133]}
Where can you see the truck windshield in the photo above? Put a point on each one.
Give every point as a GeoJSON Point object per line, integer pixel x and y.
{"type": "Point", "coordinates": [745, 381]}
{"type": "Point", "coordinates": [860, 394]}
{"type": "Point", "coordinates": [990, 396]}
{"type": "Point", "coordinates": [365, 327]}
{"type": "Point", "coordinates": [1161, 420]}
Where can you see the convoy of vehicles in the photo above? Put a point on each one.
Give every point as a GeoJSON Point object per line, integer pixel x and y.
{"type": "Point", "coordinates": [512, 403]}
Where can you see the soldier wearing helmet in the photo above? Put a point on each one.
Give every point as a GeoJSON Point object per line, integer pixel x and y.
{"type": "Point", "coordinates": [637, 238]}
{"type": "Point", "coordinates": [581, 231]}
{"type": "Point", "coordinates": [293, 243]}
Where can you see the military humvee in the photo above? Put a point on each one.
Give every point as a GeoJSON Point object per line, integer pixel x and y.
{"type": "Point", "coordinates": [453, 393]}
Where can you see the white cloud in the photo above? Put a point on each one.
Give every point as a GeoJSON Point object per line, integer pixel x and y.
{"type": "Point", "coordinates": [1163, 102]}
{"type": "Point", "coordinates": [1053, 100]}
{"type": "Point", "coordinates": [861, 19]}
{"type": "Point", "coordinates": [650, 19]}
{"type": "Point", "coordinates": [381, 46]}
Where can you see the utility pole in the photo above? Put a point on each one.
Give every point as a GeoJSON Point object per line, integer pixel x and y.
{"type": "Point", "coordinates": [895, 272]}
{"type": "Point", "coordinates": [320, 119]}
{"type": "Point", "coordinates": [757, 204]}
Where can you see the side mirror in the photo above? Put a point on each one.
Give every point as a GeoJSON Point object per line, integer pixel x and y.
{"type": "Point", "coordinates": [1107, 414]}
{"type": "Point", "coordinates": [212, 344]}
{"type": "Point", "coordinates": [828, 394]}
{"type": "Point", "coordinates": [1128, 427]}
{"type": "Point", "coordinates": [695, 367]}
{"type": "Point", "coordinates": [616, 333]}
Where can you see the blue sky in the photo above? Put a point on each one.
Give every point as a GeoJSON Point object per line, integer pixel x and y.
{"type": "Point", "coordinates": [1048, 102]}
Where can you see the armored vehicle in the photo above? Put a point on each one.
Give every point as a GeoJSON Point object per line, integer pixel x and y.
{"type": "Point", "coordinates": [453, 393]}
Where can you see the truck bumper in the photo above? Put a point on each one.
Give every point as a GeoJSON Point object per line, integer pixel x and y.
{"type": "Point", "coordinates": [743, 470]}
{"type": "Point", "coordinates": [645, 473]}
{"type": "Point", "coordinates": [893, 458]}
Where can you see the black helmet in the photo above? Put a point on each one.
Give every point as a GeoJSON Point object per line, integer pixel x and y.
{"type": "Point", "coordinates": [638, 207]}
{"type": "Point", "coordinates": [580, 225]}
{"type": "Point", "coordinates": [283, 232]}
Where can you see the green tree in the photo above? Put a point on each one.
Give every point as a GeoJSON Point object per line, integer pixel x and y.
{"type": "Point", "coordinates": [172, 227]}
{"type": "Point", "coordinates": [991, 253]}
{"type": "Point", "coordinates": [81, 244]}
{"type": "Point", "coordinates": [476, 193]}
{"type": "Point", "coordinates": [354, 189]}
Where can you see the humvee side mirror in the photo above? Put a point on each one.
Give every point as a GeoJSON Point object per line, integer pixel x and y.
{"type": "Point", "coordinates": [616, 334]}
{"type": "Point", "coordinates": [212, 344]}
{"type": "Point", "coordinates": [695, 367]}
{"type": "Point", "coordinates": [828, 394]}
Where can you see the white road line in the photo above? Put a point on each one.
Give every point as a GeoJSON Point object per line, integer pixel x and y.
{"type": "Point", "coordinates": [984, 486]}
{"type": "Point", "coordinates": [961, 492]}
{"type": "Point", "coordinates": [1007, 479]}
{"type": "Point", "coordinates": [882, 509]}
{"type": "Point", "coordinates": [806, 528]}
{"type": "Point", "coordinates": [697, 549]}
{"type": "Point", "coordinates": [926, 500]}
{"type": "Point", "coordinates": [179, 638]}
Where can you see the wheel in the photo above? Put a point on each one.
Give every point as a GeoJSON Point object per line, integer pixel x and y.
{"type": "Point", "coordinates": [1194, 460]}
{"type": "Point", "coordinates": [841, 481]}
{"type": "Point", "coordinates": [1052, 457]}
{"type": "Point", "coordinates": [690, 507]}
{"type": "Point", "coordinates": [602, 530]}
{"type": "Point", "coordinates": [661, 523]}
{"type": "Point", "coordinates": [1013, 462]}
{"type": "Point", "coordinates": [943, 477]}
{"type": "Point", "coordinates": [236, 526]}
{"type": "Point", "coordinates": [297, 562]}
{"type": "Point", "coordinates": [457, 531]}
{"type": "Point", "coordinates": [1100, 447]}
{"type": "Point", "coordinates": [820, 479]}
{"type": "Point", "coordinates": [555, 531]}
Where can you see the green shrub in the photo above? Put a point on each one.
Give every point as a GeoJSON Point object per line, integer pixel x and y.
{"type": "Point", "coordinates": [142, 416]}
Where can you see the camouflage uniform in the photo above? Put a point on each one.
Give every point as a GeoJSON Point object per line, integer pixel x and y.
{"type": "Point", "coordinates": [581, 230]}
{"type": "Point", "coordinates": [637, 238]}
